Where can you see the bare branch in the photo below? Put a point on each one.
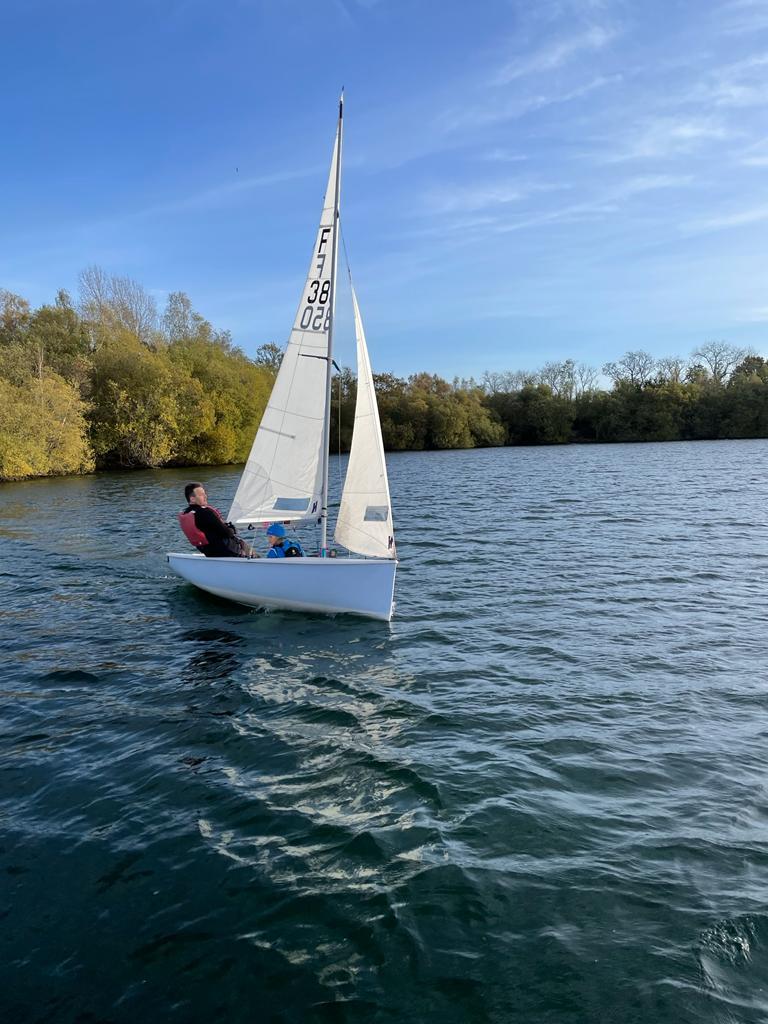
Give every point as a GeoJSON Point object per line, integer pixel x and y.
{"type": "Point", "coordinates": [634, 367]}
{"type": "Point", "coordinates": [720, 358]}
{"type": "Point", "coordinates": [671, 369]}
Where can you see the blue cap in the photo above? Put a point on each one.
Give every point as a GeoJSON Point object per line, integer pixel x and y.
{"type": "Point", "coordinates": [276, 530]}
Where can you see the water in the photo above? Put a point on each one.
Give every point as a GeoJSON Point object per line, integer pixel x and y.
{"type": "Point", "coordinates": [539, 795]}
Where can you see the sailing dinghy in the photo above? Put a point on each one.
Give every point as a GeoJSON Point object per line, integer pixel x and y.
{"type": "Point", "coordinates": [286, 477]}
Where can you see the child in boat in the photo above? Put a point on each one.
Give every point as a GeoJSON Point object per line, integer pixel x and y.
{"type": "Point", "coordinates": [281, 545]}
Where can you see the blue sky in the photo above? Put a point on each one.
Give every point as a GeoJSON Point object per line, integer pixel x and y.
{"type": "Point", "coordinates": [523, 181]}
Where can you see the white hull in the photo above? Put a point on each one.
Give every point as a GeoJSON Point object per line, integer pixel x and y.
{"type": "Point", "coordinates": [355, 586]}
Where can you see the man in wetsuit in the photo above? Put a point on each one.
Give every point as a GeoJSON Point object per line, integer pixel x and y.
{"type": "Point", "coordinates": [281, 545]}
{"type": "Point", "coordinates": [206, 530]}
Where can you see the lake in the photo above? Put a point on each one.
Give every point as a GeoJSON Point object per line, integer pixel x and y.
{"type": "Point", "coordinates": [537, 795]}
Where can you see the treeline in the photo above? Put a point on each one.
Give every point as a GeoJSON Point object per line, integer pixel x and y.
{"type": "Point", "coordinates": [108, 382]}
{"type": "Point", "coordinates": [721, 392]}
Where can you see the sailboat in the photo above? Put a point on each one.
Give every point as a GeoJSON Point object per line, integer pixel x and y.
{"type": "Point", "coordinates": [285, 479]}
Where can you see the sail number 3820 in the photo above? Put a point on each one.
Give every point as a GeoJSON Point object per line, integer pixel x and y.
{"type": "Point", "coordinates": [315, 316]}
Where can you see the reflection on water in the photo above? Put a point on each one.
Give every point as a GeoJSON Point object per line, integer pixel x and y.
{"type": "Point", "coordinates": [536, 795]}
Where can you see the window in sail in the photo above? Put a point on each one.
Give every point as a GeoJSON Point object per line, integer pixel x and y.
{"type": "Point", "coordinates": [291, 504]}
{"type": "Point", "coordinates": [376, 514]}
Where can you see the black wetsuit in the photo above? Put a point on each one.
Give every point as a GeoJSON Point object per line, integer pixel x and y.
{"type": "Point", "coordinates": [223, 541]}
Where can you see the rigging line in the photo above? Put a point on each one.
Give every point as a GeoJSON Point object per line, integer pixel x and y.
{"type": "Point", "coordinates": [346, 254]}
{"type": "Point", "coordinates": [338, 461]}
{"type": "Point", "coordinates": [349, 274]}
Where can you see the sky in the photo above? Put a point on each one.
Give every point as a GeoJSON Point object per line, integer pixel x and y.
{"type": "Point", "coordinates": [524, 180]}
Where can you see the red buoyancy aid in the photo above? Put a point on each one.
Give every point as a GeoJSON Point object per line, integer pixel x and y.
{"type": "Point", "coordinates": [195, 537]}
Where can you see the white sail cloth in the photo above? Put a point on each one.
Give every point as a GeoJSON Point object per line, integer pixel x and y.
{"type": "Point", "coordinates": [364, 523]}
{"type": "Point", "coordinates": [283, 477]}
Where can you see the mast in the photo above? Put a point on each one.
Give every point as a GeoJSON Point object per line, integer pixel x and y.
{"type": "Point", "coordinates": [329, 368]}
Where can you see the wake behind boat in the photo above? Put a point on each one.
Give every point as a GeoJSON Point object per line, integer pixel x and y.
{"type": "Point", "coordinates": [285, 479]}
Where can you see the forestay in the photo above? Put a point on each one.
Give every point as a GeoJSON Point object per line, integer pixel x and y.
{"type": "Point", "coordinates": [364, 523]}
{"type": "Point", "coordinates": [283, 477]}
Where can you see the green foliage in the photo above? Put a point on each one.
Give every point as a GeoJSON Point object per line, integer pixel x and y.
{"type": "Point", "coordinates": [107, 384]}
{"type": "Point", "coordinates": [142, 405]}
{"type": "Point", "coordinates": [43, 430]}
{"type": "Point", "coordinates": [270, 356]}
{"type": "Point", "coordinates": [233, 395]}
{"type": "Point", "coordinates": [103, 386]}
{"type": "Point", "coordinates": [14, 317]}
{"type": "Point", "coordinates": [57, 338]}
{"type": "Point", "coordinates": [343, 401]}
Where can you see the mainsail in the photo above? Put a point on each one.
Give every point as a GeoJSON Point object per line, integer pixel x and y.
{"type": "Point", "coordinates": [283, 478]}
{"type": "Point", "coordinates": [364, 523]}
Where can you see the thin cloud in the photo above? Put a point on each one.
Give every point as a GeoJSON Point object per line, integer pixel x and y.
{"type": "Point", "coordinates": [220, 194]}
{"type": "Point", "coordinates": [495, 109]}
{"type": "Point", "coordinates": [503, 156]}
{"type": "Point", "coordinates": [742, 84]}
{"type": "Point", "coordinates": [661, 137]}
{"type": "Point", "coordinates": [739, 17]}
{"type": "Point", "coordinates": [555, 54]}
{"type": "Point", "coordinates": [472, 198]}
{"type": "Point", "coordinates": [737, 219]}
{"type": "Point", "coordinates": [759, 315]}
{"type": "Point", "coordinates": [607, 204]}
{"type": "Point", "coordinates": [755, 155]}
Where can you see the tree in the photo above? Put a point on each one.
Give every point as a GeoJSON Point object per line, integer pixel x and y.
{"type": "Point", "coordinates": [505, 383]}
{"type": "Point", "coordinates": [536, 416]}
{"type": "Point", "coordinates": [178, 318]}
{"type": "Point", "coordinates": [671, 369]}
{"type": "Point", "coordinates": [235, 395]}
{"type": "Point", "coordinates": [142, 405]}
{"type": "Point", "coordinates": [751, 367]}
{"type": "Point", "coordinates": [586, 379]}
{"type": "Point", "coordinates": [135, 309]}
{"type": "Point", "coordinates": [58, 339]}
{"type": "Point", "coordinates": [95, 292]}
{"type": "Point", "coordinates": [43, 430]}
{"type": "Point", "coordinates": [697, 375]}
{"type": "Point", "coordinates": [634, 367]}
{"type": "Point", "coordinates": [14, 316]}
{"type": "Point", "coordinates": [113, 303]}
{"type": "Point", "coordinates": [720, 358]}
{"type": "Point", "coordinates": [270, 356]}
{"type": "Point", "coordinates": [560, 378]}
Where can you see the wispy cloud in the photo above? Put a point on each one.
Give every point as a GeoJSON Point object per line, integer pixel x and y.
{"type": "Point", "coordinates": [484, 195]}
{"type": "Point", "coordinates": [495, 108]}
{"type": "Point", "coordinates": [607, 203]}
{"type": "Point", "coordinates": [494, 206]}
{"type": "Point", "coordinates": [739, 17]}
{"type": "Point", "coordinates": [499, 155]}
{"type": "Point", "coordinates": [755, 155]}
{"type": "Point", "coordinates": [741, 84]}
{"type": "Point", "coordinates": [218, 195]}
{"type": "Point", "coordinates": [758, 315]}
{"type": "Point", "coordinates": [659, 137]}
{"type": "Point", "coordinates": [737, 219]}
{"type": "Point", "coordinates": [555, 54]}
